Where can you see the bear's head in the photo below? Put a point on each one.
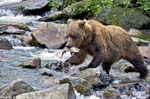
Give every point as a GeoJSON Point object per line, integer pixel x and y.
{"type": "Point", "coordinates": [78, 33]}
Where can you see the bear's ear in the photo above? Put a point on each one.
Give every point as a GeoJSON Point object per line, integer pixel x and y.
{"type": "Point", "coordinates": [85, 25]}
{"type": "Point", "coordinates": [82, 24]}
{"type": "Point", "coordinates": [69, 20]}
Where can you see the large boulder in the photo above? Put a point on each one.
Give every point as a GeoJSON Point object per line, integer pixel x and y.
{"type": "Point", "coordinates": [5, 44]}
{"type": "Point", "coordinates": [56, 92]}
{"type": "Point", "coordinates": [71, 11]}
{"type": "Point", "coordinates": [28, 6]}
{"type": "Point", "coordinates": [15, 88]}
{"type": "Point", "coordinates": [50, 35]}
{"type": "Point", "coordinates": [81, 85]}
{"type": "Point", "coordinates": [124, 17]}
{"type": "Point", "coordinates": [145, 51]}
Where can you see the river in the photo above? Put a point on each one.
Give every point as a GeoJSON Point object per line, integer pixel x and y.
{"type": "Point", "coordinates": [10, 59]}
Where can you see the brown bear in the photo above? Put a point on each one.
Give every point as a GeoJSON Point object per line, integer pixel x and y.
{"type": "Point", "coordinates": [107, 44]}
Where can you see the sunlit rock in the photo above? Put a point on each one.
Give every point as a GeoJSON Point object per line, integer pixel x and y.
{"type": "Point", "coordinates": [57, 92]}
{"type": "Point", "coordinates": [15, 88]}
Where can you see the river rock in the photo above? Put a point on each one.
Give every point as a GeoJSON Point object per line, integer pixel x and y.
{"type": "Point", "coordinates": [148, 90]}
{"type": "Point", "coordinates": [69, 11]}
{"type": "Point", "coordinates": [124, 17]}
{"type": "Point", "coordinates": [134, 32]}
{"type": "Point", "coordinates": [5, 44]}
{"type": "Point", "coordinates": [50, 35]}
{"type": "Point", "coordinates": [15, 88]}
{"type": "Point", "coordinates": [145, 51]}
{"type": "Point", "coordinates": [91, 76]}
{"type": "Point", "coordinates": [57, 92]}
{"type": "Point", "coordinates": [147, 32]}
{"type": "Point", "coordinates": [111, 93]}
{"type": "Point", "coordinates": [28, 6]}
{"type": "Point", "coordinates": [35, 63]}
{"type": "Point", "coordinates": [11, 30]}
{"type": "Point", "coordinates": [81, 85]}
{"type": "Point", "coordinates": [140, 42]}
{"type": "Point", "coordinates": [25, 39]}
{"type": "Point", "coordinates": [127, 68]}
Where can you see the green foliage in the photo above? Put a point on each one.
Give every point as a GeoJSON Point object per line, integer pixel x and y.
{"type": "Point", "coordinates": [145, 6]}
{"type": "Point", "coordinates": [54, 4]}
{"type": "Point", "coordinates": [65, 3]}
{"type": "Point", "coordinates": [94, 6]}
{"type": "Point", "coordinates": [126, 2]}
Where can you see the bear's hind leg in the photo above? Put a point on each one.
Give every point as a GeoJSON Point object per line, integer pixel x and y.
{"type": "Point", "coordinates": [138, 63]}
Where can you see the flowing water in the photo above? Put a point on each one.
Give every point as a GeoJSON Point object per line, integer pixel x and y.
{"type": "Point", "coordinates": [7, 16]}
{"type": "Point", "coordinates": [2, 2]}
{"type": "Point", "coordinates": [10, 59]}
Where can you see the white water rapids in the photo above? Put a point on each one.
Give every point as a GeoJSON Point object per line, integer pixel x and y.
{"type": "Point", "coordinates": [2, 2]}
{"type": "Point", "coordinates": [6, 16]}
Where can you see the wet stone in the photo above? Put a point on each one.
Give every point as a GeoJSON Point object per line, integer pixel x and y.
{"type": "Point", "coordinates": [148, 90]}
{"type": "Point", "coordinates": [35, 63]}
{"type": "Point", "coordinates": [111, 94]}
{"type": "Point", "coordinates": [5, 44]}
{"type": "Point", "coordinates": [57, 92]}
{"type": "Point", "coordinates": [46, 74]}
{"type": "Point", "coordinates": [15, 88]}
{"type": "Point", "coordinates": [81, 85]}
{"type": "Point", "coordinates": [58, 66]}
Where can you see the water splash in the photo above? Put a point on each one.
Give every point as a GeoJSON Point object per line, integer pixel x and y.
{"type": "Point", "coordinates": [7, 16]}
{"type": "Point", "coordinates": [6, 12]}
{"type": "Point", "coordinates": [3, 2]}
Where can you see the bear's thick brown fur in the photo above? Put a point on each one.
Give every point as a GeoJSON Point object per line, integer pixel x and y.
{"type": "Point", "coordinates": [107, 44]}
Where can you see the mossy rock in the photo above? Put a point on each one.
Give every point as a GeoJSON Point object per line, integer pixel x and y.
{"type": "Point", "coordinates": [124, 17]}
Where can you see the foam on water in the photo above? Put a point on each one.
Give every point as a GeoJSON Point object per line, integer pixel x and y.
{"type": "Point", "coordinates": [23, 48]}
{"type": "Point", "coordinates": [18, 19]}
{"type": "Point", "coordinates": [3, 2]}
{"type": "Point", "coordinates": [7, 16]}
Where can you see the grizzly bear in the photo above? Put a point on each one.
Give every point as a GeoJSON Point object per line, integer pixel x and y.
{"type": "Point", "coordinates": [107, 44]}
